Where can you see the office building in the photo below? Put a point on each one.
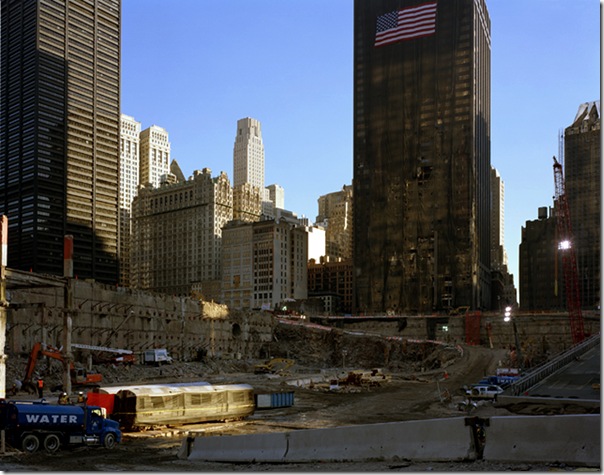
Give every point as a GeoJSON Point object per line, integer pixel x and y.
{"type": "Point", "coordinates": [247, 202]}
{"type": "Point", "coordinates": [154, 155]}
{"type": "Point", "coordinates": [582, 172]}
{"type": "Point", "coordinates": [540, 263]}
{"type": "Point", "coordinates": [331, 281]}
{"type": "Point", "coordinates": [59, 134]}
{"type": "Point", "coordinates": [422, 232]}
{"type": "Point", "coordinates": [248, 154]}
{"type": "Point", "coordinates": [316, 242]}
{"type": "Point", "coordinates": [129, 174]}
{"type": "Point", "coordinates": [336, 215]}
{"type": "Point", "coordinates": [276, 195]}
{"type": "Point", "coordinates": [177, 235]}
{"type": "Point", "coordinates": [499, 256]}
{"type": "Point", "coordinates": [263, 263]}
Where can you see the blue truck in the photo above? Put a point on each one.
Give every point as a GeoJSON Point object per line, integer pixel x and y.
{"type": "Point", "coordinates": [31, 425]}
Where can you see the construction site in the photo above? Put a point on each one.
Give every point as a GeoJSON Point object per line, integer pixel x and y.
{"type": "Point", "coordinates": [341, 371]}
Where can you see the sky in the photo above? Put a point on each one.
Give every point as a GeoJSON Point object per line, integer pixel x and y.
{"type": "Point", "coordinates": [195, 67]}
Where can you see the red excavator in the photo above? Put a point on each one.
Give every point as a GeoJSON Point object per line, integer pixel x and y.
{"type": "Point", "coordinates": [79, 376]}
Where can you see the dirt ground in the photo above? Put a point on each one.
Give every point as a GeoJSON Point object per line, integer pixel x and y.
{"type": "Point", "coordinates": [422, 383]}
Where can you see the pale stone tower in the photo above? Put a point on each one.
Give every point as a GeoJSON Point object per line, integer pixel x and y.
{"type": "Point", "coordinates": [154, 155]}
{"type": "Point", "coordinates": [248, 154]}
{"type": "Point", "coordinates": [130, 131]}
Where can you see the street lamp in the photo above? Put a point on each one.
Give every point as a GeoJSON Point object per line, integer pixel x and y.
{"type": "Point", "coordinates": [507, 316]}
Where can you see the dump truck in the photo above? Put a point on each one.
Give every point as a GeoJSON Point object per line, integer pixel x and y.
{"type": "Point", "coordinates": [29, 425]}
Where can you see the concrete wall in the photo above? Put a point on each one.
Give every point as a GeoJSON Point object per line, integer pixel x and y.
{"type": "Point", "coordinates": [572, 439]}
{"type": "Point", "coordinates": [135, 320]}
{"type": "Point", "coordinates": [119, 317]}
{"type": "Point", "coordinates": [433, 440]}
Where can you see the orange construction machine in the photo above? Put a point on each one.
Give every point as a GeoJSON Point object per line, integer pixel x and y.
{"type": "Point", "coordinates": [79, 376]}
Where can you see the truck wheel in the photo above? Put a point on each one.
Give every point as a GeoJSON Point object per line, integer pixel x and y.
{"type": "Point", "coordinates": [30, 443]}
{"type": "Point", "coordinates": [109, 441]}
{"type": "Point", "coordinates": [52, 443]}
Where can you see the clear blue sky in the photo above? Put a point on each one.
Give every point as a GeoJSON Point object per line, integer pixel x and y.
{"type": "Point", "coordinates": [195, 67]}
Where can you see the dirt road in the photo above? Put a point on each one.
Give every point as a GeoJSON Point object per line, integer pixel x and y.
{"type": "Point", "coordinates": [407, 396]}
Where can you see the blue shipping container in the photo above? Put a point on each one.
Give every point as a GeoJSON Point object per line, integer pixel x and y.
{"type": "Point", "coordinates": [274, 400]}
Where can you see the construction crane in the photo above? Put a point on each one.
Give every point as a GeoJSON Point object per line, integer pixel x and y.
{"type": "Point", "coordinates": [569, 261]}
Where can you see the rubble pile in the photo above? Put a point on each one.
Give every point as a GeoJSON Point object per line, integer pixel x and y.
{"type": "Point", "coordinates": [335, 348]}
{"type": "Point", "coordinates": [311, 351]}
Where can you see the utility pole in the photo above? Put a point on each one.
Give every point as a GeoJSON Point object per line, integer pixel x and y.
{"type": "Point", "coordinates": [3, 302]}
{"type": "Point", "coordinates": [68, 309]}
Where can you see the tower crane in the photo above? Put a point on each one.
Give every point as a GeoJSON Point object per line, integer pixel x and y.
{"type": "Point", "coordinates": [569, 261]}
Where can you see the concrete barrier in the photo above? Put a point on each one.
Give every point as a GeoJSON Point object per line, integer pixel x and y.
{"type": "Point", "coordinates": [427, 440]}
{"type": "Point", "coordinates": [570, 439]}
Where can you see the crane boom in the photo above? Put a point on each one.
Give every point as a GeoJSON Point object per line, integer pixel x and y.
{"type": "Point", "coordinates": [569, 262]}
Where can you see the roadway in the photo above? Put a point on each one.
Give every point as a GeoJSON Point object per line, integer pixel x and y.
{"type": "Point", "coordinates": [575, 380]}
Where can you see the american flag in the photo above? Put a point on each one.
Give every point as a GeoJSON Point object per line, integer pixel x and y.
{"type": "Point", "coordinates": [406, 24]}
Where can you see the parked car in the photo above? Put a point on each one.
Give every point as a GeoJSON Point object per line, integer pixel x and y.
{"type": "Point", "coordinates": [484, 391]}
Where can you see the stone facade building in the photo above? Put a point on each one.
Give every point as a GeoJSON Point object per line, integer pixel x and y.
{"type": "Point", "coordinates": [154, 155]}
{"type": "Point", "coordinates": [263, 263]}
{"type": "Point", "coordinates": [335, 215]}
{"type": "Point", "coordinates": [177, 235]}
{"type": "Point", "coordinates": [129, 178]}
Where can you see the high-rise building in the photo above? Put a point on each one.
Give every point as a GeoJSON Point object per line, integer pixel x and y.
{"type": "Point", "coordinates": [582, 172]}
{"type": "Point", "coordinates": [129, 175]}
{"type": "Point", "coordinates": [59, 133]}
{"type": "Point", "coordinates": [331, 280]}
{"type": "Point", "coordinates": [248, 154]}
{"type": "Point", "coordinates": [336, 215]}
{"type": "Point", "coordinates": [263, 263]}
{"type": "Point", "coordinates": [154, 155]}
{"type": "Point", "coordinates": [421, 183]}
{"type": "Point", "coordinates": [177, 235]}
{"type": "Point", "coordinates": [276, 195]}
{"type": "Point", "coordinates": [498, 253]}
{"type": "Point", "coordinates": [540, 265]}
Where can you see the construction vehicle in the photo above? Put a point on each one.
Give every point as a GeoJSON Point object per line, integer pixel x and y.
{"type": "Point", "coordinates": [569, 260]}
{"type": "Point", "coordinates": [32, 424]}
{"type": "Point", "coordinates": [275, 365]}
{"type": "Point", "coordinates": [125, 357]}
{"type": "Point", "coordinates": [79, 376]}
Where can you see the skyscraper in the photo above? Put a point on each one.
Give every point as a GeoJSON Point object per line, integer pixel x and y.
{"type": "Point", "coordinates": [250, 199]}
{"type": "Point", "coordinates": [582, 170]}
{"type": "Point", "coordinates": [248, 154]}
{"type": "Point", "coordinates": [154, 155]}
{"type": "Point", "coordinates": [59, 132]}
{"type": "Point", "coordinates": [129, 179]}
{"type": "Point", "coordinates": [421, 155]}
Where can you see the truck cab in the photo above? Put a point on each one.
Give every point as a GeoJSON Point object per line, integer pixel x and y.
{"type": "Point", "coordinates": [31, 425]}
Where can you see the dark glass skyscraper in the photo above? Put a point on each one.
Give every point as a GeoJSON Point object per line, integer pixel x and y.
{"type": "Point", "coordinates": [582, 171]}
{"type": "Point", "coordinates": [59, 132]}
{"type": "Point", "coordinates": [421, 155]}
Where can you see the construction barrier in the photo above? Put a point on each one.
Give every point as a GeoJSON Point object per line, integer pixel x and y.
{"type": "Point", "coordinates": [570, 439]}
{"type": "Point", "coordinates": [429, 440]}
